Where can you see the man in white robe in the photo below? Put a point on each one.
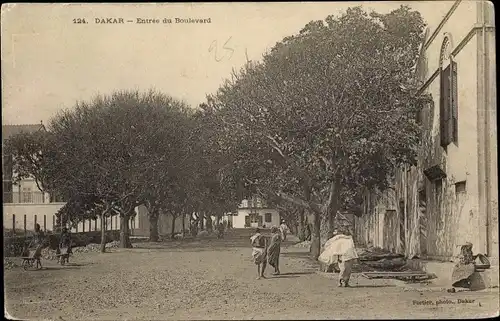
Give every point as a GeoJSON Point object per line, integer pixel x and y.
{"type": "Point", "coordinates": [341, 249]}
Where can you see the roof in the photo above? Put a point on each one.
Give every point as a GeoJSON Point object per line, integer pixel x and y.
{"type": "Point", "coordinates": [11, 130]}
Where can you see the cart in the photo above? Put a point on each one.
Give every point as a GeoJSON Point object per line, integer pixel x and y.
{"type": "Point", "coordinates": [63, 256]}
{"type": "Point", "coordinates": [32, 261]}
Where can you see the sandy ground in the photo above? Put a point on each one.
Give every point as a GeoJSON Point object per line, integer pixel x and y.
{"type": "Point", "coordinates": [215, 279]}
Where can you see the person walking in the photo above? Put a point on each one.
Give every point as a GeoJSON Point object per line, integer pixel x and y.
{"type": "Point", "coordinates": [220, 230]}
{"type": "Point", "coordinates": [274, 249]}
{"type": "Point", "coordinates": [283, 229]}
{"type": "Point", "coordinates": [259, 246]}
{"type": "Point", "coordinates": [65, 245]}
{"type": "Point", "coordinates": [36, 245]}
{"type": "Point", "coordinates": [347, 259]}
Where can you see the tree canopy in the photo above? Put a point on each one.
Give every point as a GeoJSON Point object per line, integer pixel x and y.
{"type": "Point", "coordinates": [328, 113]}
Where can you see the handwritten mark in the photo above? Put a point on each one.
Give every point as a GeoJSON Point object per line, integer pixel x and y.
{"type": "Point", "coordinates": [213, 47]}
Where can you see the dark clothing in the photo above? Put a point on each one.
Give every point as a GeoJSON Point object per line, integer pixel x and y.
{"type": "Point", "coordinates": [65, 243]}
{"type": "Point", "coordinates": [220, 230]}
{"type": "Point", "coordinates": [38, 239]}
{"type": "Point", "coordinates": [65, 240]}
{"type": "Point", "coordinates": [36, 244]}
{"type": "Point", "coordinates": [273, 251]}
{"type": "Point", "coordinates": [461, 275]}
{"type": "Point", "coordinates": [259, 241]}
{"type": "Point", "coordinates": [464, 269]}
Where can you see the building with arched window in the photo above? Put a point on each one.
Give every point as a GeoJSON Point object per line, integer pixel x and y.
{"type": "Point", "coordinates": [451, 196]}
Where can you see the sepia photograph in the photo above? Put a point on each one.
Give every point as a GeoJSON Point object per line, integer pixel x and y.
{"type": "Point", "coordinates": [249, 160]}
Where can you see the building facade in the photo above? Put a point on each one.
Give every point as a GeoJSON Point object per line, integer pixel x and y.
{"type": "Point", "coordinates": [451, 196]}
{"type": "Point", "coordinates": [254, 213]}
{"type": "Point", "coordinates": [25, 205]}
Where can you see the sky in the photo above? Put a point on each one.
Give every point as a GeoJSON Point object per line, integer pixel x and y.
{"type": "Point", "coordinates": [49, 62]}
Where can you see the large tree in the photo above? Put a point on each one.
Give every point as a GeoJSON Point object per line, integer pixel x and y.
{"type": "Point", "coordinates": [212, 189]}
{"type": "Point", "coordinates": [109, 154]}
{"type": "Point", "coordinates": [328, 111]}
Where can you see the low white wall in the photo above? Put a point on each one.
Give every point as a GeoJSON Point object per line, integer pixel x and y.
{"type": "Point", "coordinates": [17, 212]}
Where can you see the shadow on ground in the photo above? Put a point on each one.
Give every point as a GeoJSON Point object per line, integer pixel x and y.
{"type": "Point", "coordinates": [297, 273]}
{"type": "Point", "coordinates": [234, 238]}
{"type": "Point", "coordinates": [56, 268]}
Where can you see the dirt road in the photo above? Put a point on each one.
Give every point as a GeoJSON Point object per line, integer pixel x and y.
{"type": "Point", "coordinates": [215, 279]}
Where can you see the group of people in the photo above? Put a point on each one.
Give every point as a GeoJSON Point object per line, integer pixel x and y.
{"type": "Point", "coordinates": [39, 241]}
{"type": "Point", "coordinates": [267, 250]}
{"type": "Point", "coordinates": [339, 249]}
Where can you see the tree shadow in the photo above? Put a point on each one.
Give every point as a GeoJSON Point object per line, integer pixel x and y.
{"type": "Point", "coordinates": [282, 276]}
{"type": "Point", "coordinates": [303, 255]}
{"type": "Point", "coordinates": [58, 268]}
{"type": "Point", "coordinates": [76, 264]}
{"type": "Point", "coordinates": [298, 273]}
{"type": "Point", "coordinates": [233, 239]}
{"type": "Point", "coordinates": [372, 286]}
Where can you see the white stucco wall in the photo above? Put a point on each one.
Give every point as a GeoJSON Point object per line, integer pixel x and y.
{"type": "Point", "coordinates": [49, 210]}
{"type": "Point", "coordinates": [239, 220]}
{"type": "Point", "coordinates": [462, 158]}
{"type": "Point", "coordinates": [30, 210]}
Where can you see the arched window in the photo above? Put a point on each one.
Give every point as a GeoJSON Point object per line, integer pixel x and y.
{"type": "Point", "coordinates": [448, 103]}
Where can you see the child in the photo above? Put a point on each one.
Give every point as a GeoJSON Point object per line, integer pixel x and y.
{"type": "Point", "coordinates": [259, 252]}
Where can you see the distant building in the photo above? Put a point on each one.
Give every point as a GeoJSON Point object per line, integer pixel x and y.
{"type": "Point", "coordinates": [254, 213]}
{"type": "Point", "coordinates": [451, 196]}
{"type": "Point", "coordinates": [24, 199]}
{"type": "Point", "coordinates": [24, 204]}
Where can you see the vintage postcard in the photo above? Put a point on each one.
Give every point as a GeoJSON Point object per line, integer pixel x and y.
{"type": "Point", "coordinates": [293, 160]}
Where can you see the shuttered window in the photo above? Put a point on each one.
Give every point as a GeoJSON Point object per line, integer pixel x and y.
{"type": "Point", "coordinates": [449, 105]}
{"type": "Point", "coordinates": [454, 101]}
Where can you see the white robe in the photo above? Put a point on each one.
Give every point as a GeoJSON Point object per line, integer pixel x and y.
{"type": "Point", "coordinates": [340, 245]}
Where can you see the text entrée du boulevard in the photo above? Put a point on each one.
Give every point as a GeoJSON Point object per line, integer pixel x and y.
{"type": "Point", "coordinates": [106, 21]}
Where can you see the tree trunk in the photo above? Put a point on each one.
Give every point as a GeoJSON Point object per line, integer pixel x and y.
{"type": "Point", "coordinates": [202, 222]}
{"type": "Point", "coordinates": [172, 231]}
{"type": "Point", "coordinates": [103, 234]}
{"type": "Point", "coordinates": [209, 223]}
{"type": "Point", "coordinates": [124, 232]}
{"type": "Point", "coordinates": [301, 226]}
{"type": "Point", "coordinates": [333, 205]}
{"type": "Point", "coordinates": [194, 228]}
{"type": "Point", "coordinates": [183, 224]}
{"type": "Point", "coordinates": [315, 238]}
{"type": "Point", "coordinates": [153, 227]}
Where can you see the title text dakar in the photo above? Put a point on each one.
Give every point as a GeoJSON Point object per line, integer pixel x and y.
{"type": "Point", "coordinates": [151, 21]}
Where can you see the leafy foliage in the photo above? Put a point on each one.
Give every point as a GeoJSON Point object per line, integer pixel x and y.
{"type": "Point", "coordinates": [329, 110]}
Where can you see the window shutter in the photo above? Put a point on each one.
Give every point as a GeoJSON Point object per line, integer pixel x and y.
{"type": "Point", "coordinates": [442, 131]}
{"type": "Point", "coordinates": [445, 108]}
{"type": "Point", "coordinates": [449, 106]}
{"type": "Point", "coordinates": [454, 101]}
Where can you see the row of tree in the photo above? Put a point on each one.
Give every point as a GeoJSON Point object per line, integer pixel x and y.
{"type": "Point", "coordinates": [327, 114]}
{"type": "Point", "coordinates": [108, 156]}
